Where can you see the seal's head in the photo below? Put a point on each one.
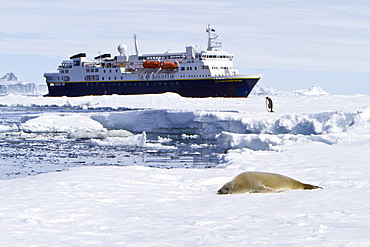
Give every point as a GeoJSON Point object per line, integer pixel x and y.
{"type": "Point", "coordinates": [226, 189]}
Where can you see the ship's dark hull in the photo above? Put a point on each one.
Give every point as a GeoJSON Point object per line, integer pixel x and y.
{"type": "Point", "coordinates": [226, 87]}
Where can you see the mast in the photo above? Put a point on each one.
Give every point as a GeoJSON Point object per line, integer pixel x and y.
{"type": "Point", "coordinates": [213, 44]}
{"type": "Point", "coordinates": [136, 45]}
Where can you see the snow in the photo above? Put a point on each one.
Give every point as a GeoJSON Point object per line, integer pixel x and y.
{"type": "Point", "coordinates": [262, 90]}
{"type": "Point", "coordinates": [98, 134]}
{"type": "Point", "coordinates": [139, 140]}
{"type": "Point", "coordinates": [10, 85]}
{"type": "Point", "coordinates": [314, 90]}
{"type": "Point", "coordinates": [55, 123]}
{"type": "Point", "coordinates": [312, 137]}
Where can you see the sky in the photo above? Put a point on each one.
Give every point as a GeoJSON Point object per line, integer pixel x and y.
{"type": "Point", "coordinates": [294, 43]}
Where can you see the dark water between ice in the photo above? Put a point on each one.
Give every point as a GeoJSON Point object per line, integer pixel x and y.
{"type": "Point", "coordinates": [25, 154]}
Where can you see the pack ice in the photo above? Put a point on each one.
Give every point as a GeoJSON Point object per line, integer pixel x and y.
{"type": "Point", "coordinates": [316, 138]}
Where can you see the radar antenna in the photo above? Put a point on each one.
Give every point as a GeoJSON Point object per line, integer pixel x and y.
{"type": "Point", "coordinates": [136, 46]}
{"type": "Point", "coordinates": [213, 44]}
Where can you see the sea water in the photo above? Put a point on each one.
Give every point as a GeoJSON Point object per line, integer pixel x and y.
{"type": "Point", "coordinates": [24, 154]}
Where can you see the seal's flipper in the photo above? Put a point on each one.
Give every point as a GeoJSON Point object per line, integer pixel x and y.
{"type": "Point", "coordinates": [310, 187]}
{"type": "Point", "coordinates": [264, 189]}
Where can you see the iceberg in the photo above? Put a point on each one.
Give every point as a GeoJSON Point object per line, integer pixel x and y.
{"type": "Point", "coordinates": [11, 84]}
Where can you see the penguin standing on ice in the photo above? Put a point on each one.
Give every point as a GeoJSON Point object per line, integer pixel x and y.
{"type": "Point", "coordinates": [269, 104]}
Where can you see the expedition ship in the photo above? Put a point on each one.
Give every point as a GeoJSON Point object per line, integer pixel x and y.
{"type": "Point", "coordinates": [208, 73]}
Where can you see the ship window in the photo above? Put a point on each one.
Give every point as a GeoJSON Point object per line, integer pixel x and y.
{"type": "Point", "coordinates": [115, 78]}
{"type": "Point", "coordinates": [65, 78]}
{"type": "Point", "coordinates": [195, 68]}
{"type": "Point", "coordinates": [102, 78]}
{"type": "Point", "coordinates": [104, 71]}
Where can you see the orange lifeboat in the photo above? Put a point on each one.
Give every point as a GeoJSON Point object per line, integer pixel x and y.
{"type": "Point", "coordinates": [148, 64]}
{"type": "Point", "coordinates": [169, 65]}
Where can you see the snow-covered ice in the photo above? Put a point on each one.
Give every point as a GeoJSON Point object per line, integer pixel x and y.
{"type": "Point", "coordinates": [11, 85]}
{"type": "Point", "coordinates": [53, 123]}
{"type": "Point", "coordinates": [313, 137]}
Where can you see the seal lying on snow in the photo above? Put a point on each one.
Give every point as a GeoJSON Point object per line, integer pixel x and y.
{"type": "Point", "coordinates": [262, 182]}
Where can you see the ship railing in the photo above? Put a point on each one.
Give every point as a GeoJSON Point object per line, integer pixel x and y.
{"type": "Point", "coordinates": [88, 64]}
{"type": "Point", "coordinates": [169, 71]}
{"type": "Point", "coordinates": [156, 76]}
{"type": "Point", "coordinates": [65, 66]}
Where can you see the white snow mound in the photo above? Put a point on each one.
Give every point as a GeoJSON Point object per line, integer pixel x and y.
{"type": "Point", "coordinates": [314, 90]}
{"type": "Point", "coordinates": [52, 123]}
